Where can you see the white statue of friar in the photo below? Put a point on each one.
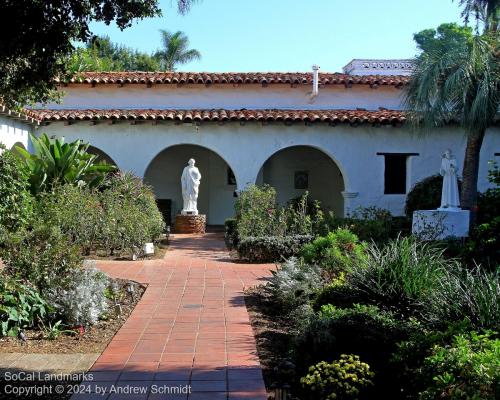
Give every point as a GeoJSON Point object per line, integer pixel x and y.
{"type": "Point", "coordinates": [450, 200]}
{"type": "Point", "coordinates": [190, 181]}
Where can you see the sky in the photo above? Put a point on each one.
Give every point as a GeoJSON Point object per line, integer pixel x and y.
{"type": "Point", "coordinates": [289, 35]}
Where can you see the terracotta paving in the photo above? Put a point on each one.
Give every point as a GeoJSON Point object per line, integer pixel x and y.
{"type": "Point", "coordinates": [190, 331]}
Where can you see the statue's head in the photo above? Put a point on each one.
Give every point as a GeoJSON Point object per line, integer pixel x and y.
{"type": "Point", "coordinates": [448, 153]}
{"type": "Point", "coordinates": [191, 162]}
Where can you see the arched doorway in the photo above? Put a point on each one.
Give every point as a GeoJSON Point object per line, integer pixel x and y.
{"type": "Point", "coordinates": [294, 170]}
{"type": "Point", "coordinates": [101, 155]}
{"type": "Point", "coordinates": [216, 195]}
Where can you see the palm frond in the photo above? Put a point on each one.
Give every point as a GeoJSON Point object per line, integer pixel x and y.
{"type": "Point", "coordinates": [175, 50]}
{"type": "Point", "coordinates": [459, 83]}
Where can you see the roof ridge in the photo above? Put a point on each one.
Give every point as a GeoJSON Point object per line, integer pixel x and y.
{"type": "Point", "coordinates": [180, 77]}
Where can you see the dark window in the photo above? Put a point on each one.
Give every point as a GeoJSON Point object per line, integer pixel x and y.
{"type": "Point", "coordinates": [395, 173]}
{"type": "Point", "coordinates": [301, 180]}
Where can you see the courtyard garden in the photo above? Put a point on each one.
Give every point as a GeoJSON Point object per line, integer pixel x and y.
{"type": "Point", "coordinates": [358, 308]}
{"type": "Point", "coordinates": [59, 208]}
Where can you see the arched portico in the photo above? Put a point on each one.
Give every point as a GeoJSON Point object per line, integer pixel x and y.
{"type": "Point", "coordinates": [296, 169]}
{"type": "Point", "coordinates": [217, 188]}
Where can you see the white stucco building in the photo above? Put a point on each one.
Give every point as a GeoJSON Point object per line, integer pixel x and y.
{"type": "Point", "coordinates": [347, 142]}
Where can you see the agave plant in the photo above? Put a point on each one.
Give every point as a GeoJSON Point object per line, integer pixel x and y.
{"type": "Point", "coordinates": [54, 161]}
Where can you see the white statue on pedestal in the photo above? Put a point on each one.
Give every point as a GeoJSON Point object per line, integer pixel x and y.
{"type": "Point", "coordinates": [449, 196]}
{"type": "Point", "coordinates": [449, 220]}
{"type": "Point", "coordinates": [190, 181]}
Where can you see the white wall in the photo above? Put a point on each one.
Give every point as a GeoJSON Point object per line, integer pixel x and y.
{"type": "Point", "coordinates": [12, 132]}
{"type": "Point", "coordinates": [215, 197]}
{"type": "Point", "coordinates": [246, 148]}
{"type": "Point", "coordinates": [250, 96]}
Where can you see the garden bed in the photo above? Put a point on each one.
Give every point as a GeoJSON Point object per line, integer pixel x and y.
{"type": "Point", "coordinates": [160, 250]}
{"type": "Point", "coordinates": [273, 335]}
{"type": "Point", "coordinates": [95, 339]}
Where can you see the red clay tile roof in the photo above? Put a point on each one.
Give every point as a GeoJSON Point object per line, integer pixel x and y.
{"type": "Point", "coordinates": [261, 78]}
{"type": "Point", "coordinates": [25, 115]}
{"type": "Point", "coordinates": [333, 116]}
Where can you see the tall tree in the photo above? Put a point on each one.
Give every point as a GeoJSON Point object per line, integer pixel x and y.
{"type": "Point", "coordinates": [100, 54]}
{"type": "Point", "coordinates": [175, 50]}
{"type": "Point", "coordinates": [37, 37]}
{"type": "Point", "coordinates": [457, 79]}
{"type": "Point", "coordinates": [485, 11]}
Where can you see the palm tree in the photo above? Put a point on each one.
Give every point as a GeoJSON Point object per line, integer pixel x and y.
{"type": "Point", "coordinates": [486, 11]}
{"type": "Point", "coordinates": [459, 81]}
{"type": "Point", "coordinates": [175, 50]}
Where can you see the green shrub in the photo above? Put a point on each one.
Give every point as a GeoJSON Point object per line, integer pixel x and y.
{"type": "Point", "coordinates": [21, 306]}
{"type": "Point", "coordinates": [409, 358]}
{"type": "Point", "coordinates": [77, 211]}
{"type": "Point", "coordinates": [483, 245]}
{"type": "Point", "coordinates": [231, 233]}
{"type": "Point", "coordinates": [335, 253]}
{"type": "Point", "coordinates": [15, 199]}
{"type": "Point", "coordinates": [342, 379]}
{"type": "Point", "coordinates": [271, 248]}
{"type": "Point", "coordinates": [293, 284]}
{"type": "Point", "coordinates": [488, 205]}
{"type": "Point", "coordinates": [365, 330]}
{"type": "Point", "coordinates": [258, 215]}
{"type": "Point", "coordinates": [255, 211]}
{"type": "Point", "coordinates": [403, 275]}
{"type": "Point", "coordinates": [467, 369]}
{"type": "Point", "coordinates": [122, 216]}
{"type": "Point", "coordinates": [300, 215]}
{"type": "Point", "coordinates": [370, 224]}
{"type": "Point", "coordinates": [43, 256]}
{"type": "Point", "coordinates": [132, 216]}
{"type": "Point", "coordinates": [337, 292]}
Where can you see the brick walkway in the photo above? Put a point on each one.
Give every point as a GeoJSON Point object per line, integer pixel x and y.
{"type": "Point", "coordinates": [191, 327]}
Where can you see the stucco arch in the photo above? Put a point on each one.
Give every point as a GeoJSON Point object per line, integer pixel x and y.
{"type": "Point", "coordinates": [312, 145]}
{"type": "Point", "coordinates": [194, 144]}
{"type": "Point", "coordinates": [218, 183]}
{"type": "Point", "coordinates": [101, 155]}
{"type": "Point", "coordinates": [294, 169]}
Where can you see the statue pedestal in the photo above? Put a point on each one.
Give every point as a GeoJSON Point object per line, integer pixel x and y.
{"type": "Point", "coordinates": [440, 224]}
{"type": "Point", "coordinates": [190, 223]}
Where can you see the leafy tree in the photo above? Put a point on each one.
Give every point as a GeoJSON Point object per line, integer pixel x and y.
{"type": "Point", "coordinates": [36, 50]}
{"type": "Point", "coordinates": [100, 54]}
{"type": "Point", "coordinates": [457, 78]}
{"type": "Point", "coordinates": [54, 161]}
{"type": "Point", "coordinates": [175, 50]}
